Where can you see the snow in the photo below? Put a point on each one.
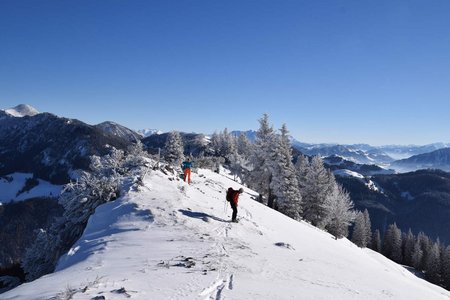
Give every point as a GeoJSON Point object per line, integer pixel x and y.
{"type": "Point", "coordinates": [11, 184]}
{"type": "Point", "coordinates": [21, 110]}
{"type": "Point", "coordinates": [348, 173]}
{"type": "Point", "coordinates": [171, 240]}
{"type": "Point", "coordinates": [148, 132]}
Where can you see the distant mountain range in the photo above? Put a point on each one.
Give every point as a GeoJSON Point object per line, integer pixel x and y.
{"type": "Point", "coordinates": [398, 157]}
{"type": "Point", "coordinates": [51, 147]}
{"type": "Point", "coordinates": [438, 159]}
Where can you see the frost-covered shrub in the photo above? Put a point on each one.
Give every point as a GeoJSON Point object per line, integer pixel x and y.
{"type": "Point", "coordinates": [80, 199]}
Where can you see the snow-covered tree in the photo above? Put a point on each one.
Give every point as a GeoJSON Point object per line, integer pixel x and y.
{"type": "Point", "coordinates": [392, 245]}
{"type": "Point", "coordinates": [446, 267]}
{"type": "Point", "coordinates": [425, 245]}
{"type": "Point", "coordinates": [417, 256]}
{"type": "Point", "coordinates": [433, 265]}
{"type": "Point", "coordinates": [359, 235]}
{"type": "Point", "coordinates": [284, 180]}
{"type": "Point", "coordinates": [227, 144]}
{"type": "Point", "coordinates": [243, 145]}
{"type": "Point", "coordinates": [301, 168]}
{"type": "Point", "coordinates": [368, 226]}
{"type": "Point", "coordinates": [237, 164]}
{"type": "Point", "coordinates": [318, 185]}
{"type": "Point", "coordinates": [174, 148]}
{"type": "Point", "coordinates": [408, 248]}
{"type": "Point", "coordinates": [215, 143]}
{"type": "Point", "coordinates": [376, 241]}
{"type": "Point", "coordinates": [339, 211]}
{"type": "Point", "coordinates": [259, 177]}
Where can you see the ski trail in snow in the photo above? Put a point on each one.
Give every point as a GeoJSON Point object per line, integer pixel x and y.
{"type": "Point", "coordinates": [215, 290]}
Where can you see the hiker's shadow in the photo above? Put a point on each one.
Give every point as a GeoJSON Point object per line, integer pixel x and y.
{"type": "Point", "coordinates": [200, 215]}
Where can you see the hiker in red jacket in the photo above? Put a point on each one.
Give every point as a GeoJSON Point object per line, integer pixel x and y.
{"type": "Point", "coordinates": [233, 198]}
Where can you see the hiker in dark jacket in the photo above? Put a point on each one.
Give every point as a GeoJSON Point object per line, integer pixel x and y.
{"type": "Point", "coordinates": [233, 195]}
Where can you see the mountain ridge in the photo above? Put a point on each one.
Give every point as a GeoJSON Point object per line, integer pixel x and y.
{"type": "Point", "coordinates": [171, 240]}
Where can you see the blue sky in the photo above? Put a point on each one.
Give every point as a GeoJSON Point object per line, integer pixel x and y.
{"type": "Point", "coordinates": [357, 71]}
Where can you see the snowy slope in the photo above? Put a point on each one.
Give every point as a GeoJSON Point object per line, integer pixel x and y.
{"type": "Point", "coordinates": [174, 241]}
{"type": "Point", "coordinates": [11, 185]}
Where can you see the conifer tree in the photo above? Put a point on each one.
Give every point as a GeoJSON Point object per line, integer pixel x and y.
{"type": "Point", "coordinates": [359, 237]}
{"type": "Point", "coordinates": [339, 211]}
{"type": "Point", "coordinates": [433, 264]}
{"type": "Point", "coordinates": [284, 180]}
{"type": "Point", "coordinates": [392, 245]}
{"type": "Point", "coordinates": [367, 227]}
{"type": "Point", "coordinates": [425, 245]}
{"type": "Point", "coordinates": [301, 168]}
{"type": "Point", "coordinates": [174, 148]}
{"type": "Point", "coordinates": [376, 241]}
{"type": "Point", "coordinates": [408, 248]}
{"type": "Point", "coordinates": [446, 268]}
{"type": "Point", "coordinates": [260, 177]}
{"type": "Point", "coordinates": [227, 144]}
{"type": "Point", "coordinates": [317, 186]}
{"type": "Point", "coordinates": [244, 147]}
{"type": "Point", "coordinates": [417, 256]}
{"type": "Point", "coordinates": [215, 143]}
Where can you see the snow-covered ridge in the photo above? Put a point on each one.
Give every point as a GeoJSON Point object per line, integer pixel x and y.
{"type": "Point", "coordinates": [148, 132]}
{"type": "Point", "coordinates": [174, 241]}
{"type": "Point", "coordinates": [21, 110]}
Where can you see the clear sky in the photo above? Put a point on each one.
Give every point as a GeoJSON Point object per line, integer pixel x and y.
{"type": "Point", "coordinates": [358, 71]}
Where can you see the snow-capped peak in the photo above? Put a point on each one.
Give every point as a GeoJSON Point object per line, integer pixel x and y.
{"type": "Point", "coordinates": [148, 132]}
{"type": "Point", "coordinates": [21, 110]}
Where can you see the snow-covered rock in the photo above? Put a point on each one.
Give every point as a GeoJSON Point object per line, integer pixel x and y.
{"type": "Point", "coordinates": [174, 241]}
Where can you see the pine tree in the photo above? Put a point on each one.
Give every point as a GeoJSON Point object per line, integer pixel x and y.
{"type": "Point", "coordinates": [284, 180]}
{"type": "Point", "coordinates": [417, 256]}
{"type": "Point", "coordinates": [425, 245]}
{"type": "Point", "coordinates": [318, 185]}
{"type": "Point", "coordinates": [174, 148]}
{"type": "Point", "coordinates": [392, 246]}
{"type": "Point", "coordinates": [408, 248]}
{"type": "Point", "coordinates": [215, 144]}
{"type": "Point", "coordinates": [339, 211]}
{"type": "Point", "coordinates": [301, 168]}
{"type": "Point", "coordinates": [367, 227]}
{"type": "Point", "coordinates": [359, 237]}
{"type": "Point", "coordinates": [376, 241]}
{"type": "Point", "coordinates": [446, 268]}
{"type": "Point", "coordinates": [260, 177]}
{"type": "Point", "coordinates": [243, 145]}
{"type": "Point", "coordinates": [227, 144]}
{"type": "Point", "coordinates": [433, 265]}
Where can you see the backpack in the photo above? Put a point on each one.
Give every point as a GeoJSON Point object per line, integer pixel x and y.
{"type": "Point", "coordinates": [230, 194]}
